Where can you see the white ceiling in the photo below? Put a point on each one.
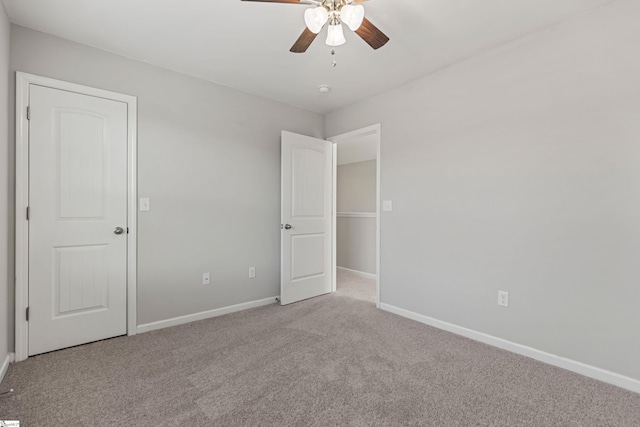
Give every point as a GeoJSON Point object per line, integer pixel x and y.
{"type": "Point", "coordinates": [245, 45]}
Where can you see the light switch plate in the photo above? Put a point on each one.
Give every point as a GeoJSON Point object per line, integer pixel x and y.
{"type": "Point", "coordinates": [387, 206]}
{"type": "Point", "coordinates": [144, 204]}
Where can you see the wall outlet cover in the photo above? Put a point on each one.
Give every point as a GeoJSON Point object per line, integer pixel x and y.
{"type": "Point", "coordinates": [503, 298]}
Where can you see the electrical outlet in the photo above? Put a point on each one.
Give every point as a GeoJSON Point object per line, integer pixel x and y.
{"type": "Point", "coordinates": [252, 272]}
{"type": "Point", "coordinates": [503, 298]}
{"type": "Point", "coordinates": [206, 278]}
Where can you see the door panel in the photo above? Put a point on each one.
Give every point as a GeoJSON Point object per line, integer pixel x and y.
{"type": "Point", "coordinates": [306, 208]}
{"type": "Point", "coordinates": [79, 282]}
{"type": "Point", "coordinates": [308, 195]}
{"type": "Point", "coordinates": [77, 197]}
{"type": "Point", "coordinates": [307, 255]}
{"type": "Point", "coordinates": [82, 147]}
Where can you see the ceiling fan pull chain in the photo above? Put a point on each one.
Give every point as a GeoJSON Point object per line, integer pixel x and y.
{"type": "Point", "coordinates": [333, 53]}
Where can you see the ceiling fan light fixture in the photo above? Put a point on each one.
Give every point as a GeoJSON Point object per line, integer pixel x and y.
{"type": "Point", "coordinates": [335, 35]}
{"type": "Point", "coordinates": [315, 18]}
{"type": "Point", "coordinates": [352, 16]}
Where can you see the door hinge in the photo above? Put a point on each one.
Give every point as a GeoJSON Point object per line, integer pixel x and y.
{"type": "Point", "coordinates": [27, 213]}
{"type": "Point", "coordinates": [127, 230]}
{"type": "Point", "coordinates": [27, 314]}
{"type": "Point", "coordinates": [28, 112]}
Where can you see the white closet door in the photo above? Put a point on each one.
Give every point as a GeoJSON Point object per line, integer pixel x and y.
{"type": "Point", "coordinates": [78, 219]}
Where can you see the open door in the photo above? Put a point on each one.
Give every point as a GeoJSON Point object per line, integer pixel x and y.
{"type": "Point", "coordinates": [306, 217]}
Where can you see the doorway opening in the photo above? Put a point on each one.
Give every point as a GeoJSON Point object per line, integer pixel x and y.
{"type": "Point", "coordinates": [356, 214]}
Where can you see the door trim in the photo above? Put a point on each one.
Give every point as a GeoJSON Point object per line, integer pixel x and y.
{"type": "Point", "coordinates": [23, 81]}
{"type": "Point", "coordinates": [369, 130]}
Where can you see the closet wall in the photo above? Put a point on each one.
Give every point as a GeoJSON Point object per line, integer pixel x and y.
{"type": "Point", "coordinates": [356, 216]}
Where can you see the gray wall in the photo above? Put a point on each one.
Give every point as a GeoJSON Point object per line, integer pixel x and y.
{"type": "Point", "coordinates": [356, 237]}
{"type": "Point", "coordinates": [209, 160]}
{"type": "Point", "coordinates": [519, 170]}
{"type": "Point", "coordinates": [356, 187]}
{"type": "Point", "coordinates": [6, 165]}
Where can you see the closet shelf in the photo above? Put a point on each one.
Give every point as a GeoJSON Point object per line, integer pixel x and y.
{"type": "Point", "coordinates": [356, 214]}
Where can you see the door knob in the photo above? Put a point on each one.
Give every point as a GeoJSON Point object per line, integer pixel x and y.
{"type": "Point", "coordinates": [287, 226]}
{"type": "Point", "coordinates": [118, 230]}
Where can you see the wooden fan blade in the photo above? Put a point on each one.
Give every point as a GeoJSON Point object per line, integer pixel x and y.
{"type": "Point", "coordinates": [304, 41]}
{"type": "Point", "coordinates": [371, 34]}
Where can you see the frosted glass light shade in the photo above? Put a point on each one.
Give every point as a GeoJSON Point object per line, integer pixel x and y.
{"type": "Point", "coordinates": [352, 16]}
{"type": "Point", "coordinates": [335, 35]}
{"type": "Point", "coordinates": [316, 18]}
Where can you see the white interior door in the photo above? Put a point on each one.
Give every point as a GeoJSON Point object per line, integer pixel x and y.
{"type": "Point", "coordinates": [306, 217]}
{"type": "Point", "coordinates": [77, 201]}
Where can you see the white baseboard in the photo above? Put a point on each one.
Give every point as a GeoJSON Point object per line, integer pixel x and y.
{"type": "Point", "coordinates": [203, 315]}
{"type": "Point", "coordinates": [357, 273]}
{"type": "Point", "coordinates": [5, 365]}
{"type": "Point", "coordinates": [551, 359]}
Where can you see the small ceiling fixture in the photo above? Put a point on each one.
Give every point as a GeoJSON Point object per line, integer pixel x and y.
{"type": "Point", "coordinates": [324, 89]}
{"type": "Point", "coordinates": [335, 13]}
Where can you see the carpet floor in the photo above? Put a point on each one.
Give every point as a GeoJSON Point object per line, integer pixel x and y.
{"type": "Point", "coordinates": [329, 361]}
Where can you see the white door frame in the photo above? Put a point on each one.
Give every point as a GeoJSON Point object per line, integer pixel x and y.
{"type": "Point", "coordinates": [23, 81]}
{"type": "Point", "coordinates": [369, 130]}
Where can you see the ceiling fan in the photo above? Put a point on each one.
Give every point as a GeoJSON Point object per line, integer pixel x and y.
{"type": "Point", "coordinates": [336, 13]}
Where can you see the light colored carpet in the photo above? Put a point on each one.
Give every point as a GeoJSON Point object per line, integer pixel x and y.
{"type": "Point", "coordinates": [332, 360]}
{"type": "Point", "coordinates": [354, 286]}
